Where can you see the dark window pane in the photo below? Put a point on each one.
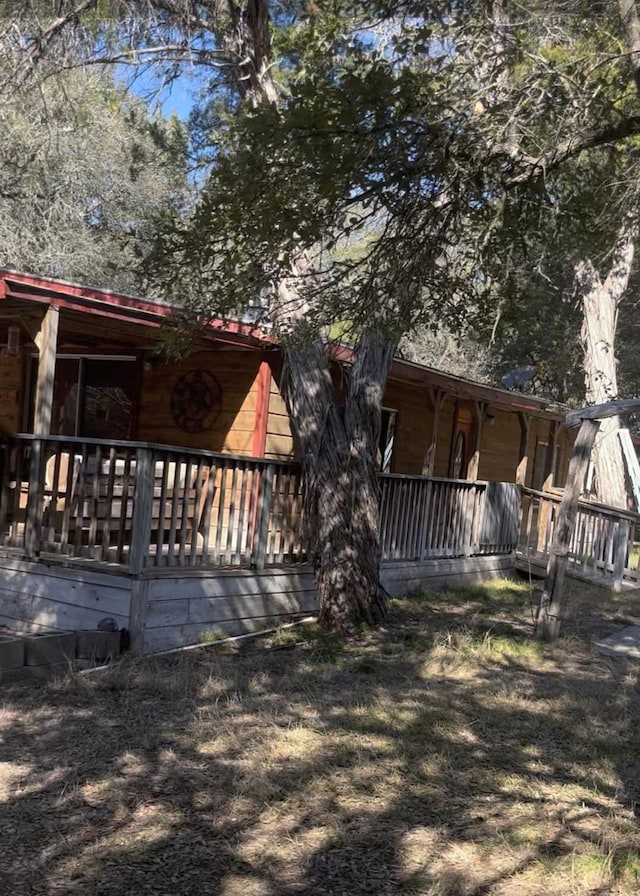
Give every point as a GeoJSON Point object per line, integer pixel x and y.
{"type": "Point", "coordinates": [109, 396]}
{"type": "Point", "coordinates": [65, 397]}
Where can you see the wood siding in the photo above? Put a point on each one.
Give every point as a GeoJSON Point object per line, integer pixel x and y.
{"type": "Point", "coordinates": [173, 609]}
{"type": "Point", "coordinates": [182, 610]}
{"type": "Point", "coordinates": [232, 431]}
{"type": "Point", "coordinates": [11, 392]}
{"type": "Point", "coordinates": [279, 442]}
{"type": "Point", "coordinates": [413, 426]}
{"type": "Point", "coordinates": [500, 446]}
{"type": "Point", "coordinates": [35, 597]}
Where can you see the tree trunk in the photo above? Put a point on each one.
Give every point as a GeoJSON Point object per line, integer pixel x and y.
{"type": "Point", "coordinates": [600, 301]}
{"type": "Point", "coordinates": [339, 448]}
{"type": "Point", "coordinates": [339, 445]}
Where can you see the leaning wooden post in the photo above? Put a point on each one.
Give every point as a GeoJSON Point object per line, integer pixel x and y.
{"type": "Point", "coordinates": [548, 625]}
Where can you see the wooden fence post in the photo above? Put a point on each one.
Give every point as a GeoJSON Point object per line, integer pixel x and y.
{"type": "Point", "coordinates": [620, 560]}
{"type": "Point", "coordinates": [264, 513]}
{"type": "Point", "coordinates": [142, 510]}
{"type": "Point", "coordinates": [548, 624]}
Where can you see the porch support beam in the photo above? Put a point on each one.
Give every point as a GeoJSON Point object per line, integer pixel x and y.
{"type": "Point", "coordinates": [523, 457]}
{"type": "Point", "coordinates": [47, 343]}
{"type": "Point", "coordinates": [479, 412]}
{"type": "Point", "coordinates": [549, 459]}
{"type": "Point", "coordinates": [436, 397]}
{"type": "Point", "coordinates": [263, 383]}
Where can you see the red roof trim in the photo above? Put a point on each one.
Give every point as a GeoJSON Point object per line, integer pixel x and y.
{"type": "Point", "coordinates": [117, 306]}
{"type": "Point", "coordinates": [113, 305]}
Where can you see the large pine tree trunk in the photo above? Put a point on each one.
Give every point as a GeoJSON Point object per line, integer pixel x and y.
{"type": "Point", "coordinates": [600, 300]}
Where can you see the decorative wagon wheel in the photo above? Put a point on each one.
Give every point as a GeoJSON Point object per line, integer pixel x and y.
{"type": "Point", "coordinates": [196, 401]}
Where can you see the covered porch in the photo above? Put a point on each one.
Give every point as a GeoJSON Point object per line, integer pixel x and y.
{"type": "Point", "coordinates": [178, 544]}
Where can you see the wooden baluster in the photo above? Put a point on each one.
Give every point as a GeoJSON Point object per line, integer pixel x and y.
{"type": "Point", "coordinates": [142, 510]}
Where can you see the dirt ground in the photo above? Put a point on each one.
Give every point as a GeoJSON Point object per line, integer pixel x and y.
{"type": "Point", "coordinates": [446, 754]}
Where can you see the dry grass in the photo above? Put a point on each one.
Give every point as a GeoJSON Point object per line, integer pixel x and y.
{"type": "Point", "coordinates": [448, 754]}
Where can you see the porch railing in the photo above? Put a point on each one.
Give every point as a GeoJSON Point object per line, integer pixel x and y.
{"type": "Point", "coordinates": [137, 505]}
{"type": "Point", "coordinates": [427, 518]}
{"type": "Point", "coordinates": [605, 543]}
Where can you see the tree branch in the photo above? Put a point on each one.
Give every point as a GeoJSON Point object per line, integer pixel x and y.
{"type": "Point", "coordinates": [522, 169]}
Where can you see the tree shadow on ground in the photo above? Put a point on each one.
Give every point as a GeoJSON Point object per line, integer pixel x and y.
{"type": "Point", "coordinates": [449, 754]}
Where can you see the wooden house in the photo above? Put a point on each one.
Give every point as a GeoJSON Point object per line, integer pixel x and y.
{"type": "Point", "coordinates": [130, 479]}
{"type": "Point", "coordinates": [97, 356]}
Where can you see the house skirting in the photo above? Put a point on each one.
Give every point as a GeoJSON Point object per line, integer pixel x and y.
{"type": "Point", "coordinates": [169, 608]}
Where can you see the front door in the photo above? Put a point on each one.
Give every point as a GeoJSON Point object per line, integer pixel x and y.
{"type": "Point", "coordinates": [462, 427]}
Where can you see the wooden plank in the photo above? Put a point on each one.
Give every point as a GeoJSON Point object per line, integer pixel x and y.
{"type": "Point", "coordinates": [206, 513]}
{"type": "Point", "coordinates": [175, 492]}
{"type": "Point", "coordinates": [138, 613]}
{"type": "Point", "coordinates": [46, 341]}
{"type": "Point", "coordinates": [183, 495]}
{"type": "Point", "coordinates": [622, 547]}
{"type": "Point", "coordinates": [263, 394]}
{"type": "Point", "coordinates": [548, 624]}
{"type": "Point", "coordinates": [398, 578]}
{"type": "Point", "coordinates": [232, 527]}
{"type": "Point", "coordinates": [24, 612]}
{"type": "Point", "coordinates": [622, 407]}
{"type": "Point", "coordinates": [247, 606]}
{"type": "Point", "coordinates": [166, 612]}
{"type": "Point", "coordinates": [228, 583]}
{"type": "Point", "coordinates": [428, 463]}
{"type": "Point", "coordinates": [142, 507]}
{"type": "Point", "coordinates": [35, 500]}
{"type": "Point", "coordinates": [523, 458]}
{"type": "Point", "coordinates": [106, 528]}
{"type": "Point", "coordinates": [162, 507]}
{"type": "Point", "coordinates": [264, 513]}
{"type": "Point", "coordinates": [198, 502]}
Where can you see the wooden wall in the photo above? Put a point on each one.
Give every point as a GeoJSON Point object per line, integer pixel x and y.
{"type": "Point", "coordinates": [177, 609]}
{"type": "Point", "coordinates": [35, 597]}
{"type": "Point", "coordinates": [413, 425]}
{"type": "Point", "coordinates": [500, 446]}
{"type": "Point", "coordinates": [232, 432]}
{"type": "Point", "coordinates": [401, 577]}
{"type": "Point", "coordinates": [182, 610]}
{"type": "Point", "coordinates": [11, 392]}
{"type": "Point", "coordinates": [279, 443]}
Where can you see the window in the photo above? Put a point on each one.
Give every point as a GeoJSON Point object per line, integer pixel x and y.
{"type": "Point", "coordinates": [459, 453]}
{"type": "Point", "coordinates": [94, 397]}
{"type": "Point", "coordinates": [387, 436]}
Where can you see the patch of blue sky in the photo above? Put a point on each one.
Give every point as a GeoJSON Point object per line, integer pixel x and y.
{"type": "Point", "coordinates": [170, 95]}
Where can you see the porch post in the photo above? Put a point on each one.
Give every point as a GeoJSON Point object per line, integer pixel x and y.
{"type": "Point", "coordinates": [479, 410]}
{"type": "Point", "coordinates": [436, 397]}
{"type": "Point", "coordinates": [47, 343]}
{"type": "Point", "coordinates": [550, 458]}
{"type": "Point", "coordinates": [523, 457]}
{"type": "Point", "coordinates": [262, 409]}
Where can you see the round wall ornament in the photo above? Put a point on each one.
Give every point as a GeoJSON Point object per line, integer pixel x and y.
{"type": "Point", "coordinates": [196, 401]}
